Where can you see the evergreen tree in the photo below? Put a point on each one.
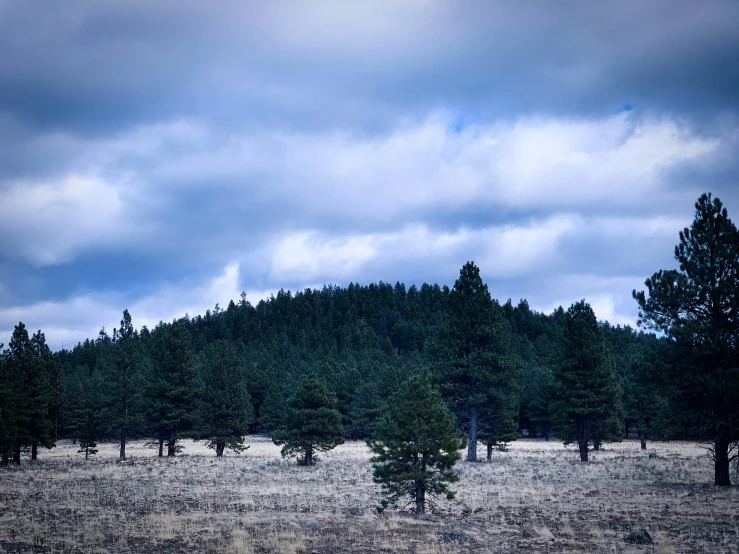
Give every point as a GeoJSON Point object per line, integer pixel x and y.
{"type": "Point", "coordinates": [697, 306]}
{"type": "Point", "coordinates": [587, 393]}
{"type": "Point", "coordinates": [173, 388]}
{"type": "Point", "coordinates": [272, 411]}
{"type": "Point", "coordinates": [121, 365]}
{"type": "Point", "coordinates": [43, 388]}
{"type": "Point", "coordinates": [417, 446]}
{"type": "Point", "coordinates": [30, 395]}
{"type": "Point", "coordinates": [313, 424]}
{"type": "Point", "coordinates": [8, 399]}
{"type": "Point", "coordinates": [477, 368]}
{"type": "Point", "coordinates": [225, 410]}
{"type": "Point", "coordinates": [645, 406]}
{"type": "Point", "coordinates": [87, 400]}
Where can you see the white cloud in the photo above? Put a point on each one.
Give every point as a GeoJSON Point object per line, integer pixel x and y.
{"type": "Point", "coordinates": [525, 163]}
{"type": "Point", "coordinates": [47, 223]}
{"type": "Point", "coordinates": [505, 251]}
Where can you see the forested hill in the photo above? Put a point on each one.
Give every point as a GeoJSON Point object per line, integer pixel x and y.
{"type": "Point", "coordinates": [364, 340]}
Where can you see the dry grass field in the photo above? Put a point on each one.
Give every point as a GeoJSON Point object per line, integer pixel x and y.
{"type": "Point", "coordinates": [535, 498]}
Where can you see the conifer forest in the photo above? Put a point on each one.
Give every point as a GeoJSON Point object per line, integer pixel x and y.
{"type": "Point", "coordinates": [387, 417]}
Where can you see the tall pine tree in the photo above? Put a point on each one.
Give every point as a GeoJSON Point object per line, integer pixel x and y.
{"type": "Point", "coordinates": [224, 408]}
{"type": "Point", "coordinates": [697, 306]}
{"type": "Point", "coordinates": [313, 424]}
{"type": "Point", "coordinates": [173, 389]}
{"type": "Point", "coordinates": [587, 393]}
{"type": "Point", "coordinates": [477, 368]}
{"type": "Point", "coordinates": [121, 364]}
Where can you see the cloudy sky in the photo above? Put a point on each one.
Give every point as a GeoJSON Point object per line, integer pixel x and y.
{"type": "Point", "coordinates": [164, 156]}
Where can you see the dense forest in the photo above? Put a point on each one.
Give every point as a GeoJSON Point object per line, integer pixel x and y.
{"type": "Point", "coordinates": [503, 369]}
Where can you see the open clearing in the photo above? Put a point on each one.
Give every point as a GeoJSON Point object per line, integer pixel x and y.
{"type": "Point", "coordinates": [535, 498]}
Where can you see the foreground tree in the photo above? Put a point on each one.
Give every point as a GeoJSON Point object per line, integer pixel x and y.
{"type": "Point", "coordinates": [312, 424]}
{"type": "Point", "coordinates": [416, 448]}
{"type": "Point", "coordinates": [224, 409]}
{"type": "Point", "coordinates": [697, 306]}
{"type": "Point", "coordinates": [587, 394]}
{"type": "Point", "coordinates": [477, 368]}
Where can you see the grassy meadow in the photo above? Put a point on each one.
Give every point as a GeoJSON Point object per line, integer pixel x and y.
{"type": "Point", "coordinates": [535, 498]}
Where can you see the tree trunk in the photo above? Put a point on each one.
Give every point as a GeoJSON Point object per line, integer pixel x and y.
{"type": "Point", "coordinates": [219, 449]}
{"type": "Point", "coordinates": [161, 444]}
{"type": "Point", "coordinates": [546, 432]}
{"type": "Point", "coordinates": [722, 477]}
{"type": "Point", "coordinates": [582, 439]}
{"type": "Point", "coordinates": [87, 453]}
{"type": "Point", "coordinates": [4, 461]}
{"type": "Point", "coordinates": [490, 451]}
{"type": "Point", "coordinates": [420, 498]}
{"type": "Point", "coordinates": [34, 451]}
{"type": "Point", "coordinates": [123, 444]}
{"type": "Point", "coordinates": [472, 438]}
{"type": "Point", "coordinates": [74, 440]}
{"type": "Point", "coordinates": [17, 455]}
{"type": "Point", "coordinates": [596, 445]}
{"type": "Point", "coordinates": [642, 440]}
{"type": "Point", "coordinates": [171, 442]}
{"type": "Point", "coordinates": [309, 456]}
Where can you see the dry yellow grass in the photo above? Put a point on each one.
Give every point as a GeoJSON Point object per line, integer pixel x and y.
{"type": "Point", "coordinates": [535, 498]}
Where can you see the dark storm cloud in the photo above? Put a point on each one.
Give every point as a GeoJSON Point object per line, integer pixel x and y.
{"type": "Point", "coordinates": [92, 67]}
{"type": "Point", "coordinates": [158, 152]}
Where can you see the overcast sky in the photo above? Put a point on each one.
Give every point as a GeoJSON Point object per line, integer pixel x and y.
{"type": "Point", "coordinates": [164, 156]}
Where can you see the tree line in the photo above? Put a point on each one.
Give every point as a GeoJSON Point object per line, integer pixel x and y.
{"type": "Point", "coordinates": [314, 368]}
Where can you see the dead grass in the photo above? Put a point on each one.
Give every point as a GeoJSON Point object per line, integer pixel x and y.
{"type": "Point", "coordinates": [535, 498]}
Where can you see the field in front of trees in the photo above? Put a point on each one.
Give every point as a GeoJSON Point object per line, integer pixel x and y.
{"type": "Point", "coordinates": [536, 498]}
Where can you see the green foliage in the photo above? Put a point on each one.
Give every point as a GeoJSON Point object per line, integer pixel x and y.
{"type": "Point", "coordinates": [225, 410]}
{"type": "Point", "coordinates": [364, 412]}
{"type": "Point", "coordinates": [587, 393]}
{"type": "Point", "coordinates": [29, 395]}
{"type": "Point", "coordinates": [313, 424]}
{"type": "Point", "coordinates": [272, 411]}
{"type": "Point", "coordinates": [476, 366]}
{"type": "Point", "coordinates": [697, 306]}
{"type": "Point", "coordinates": [121, 364]}
{"type": "Point", "coordinates": [417, 446]}
{"type": "Point", "coordinates": [173, 387]}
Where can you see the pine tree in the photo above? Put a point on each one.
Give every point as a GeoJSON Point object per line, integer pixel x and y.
{"type": "Point", "coordinates": [31, 395]}
{"type": "Point", "coordinates": [417, 446]}
{"type": "Point", "coordinates": [43, 388]}
{"type": "Point", "coordinates": [173, 388]}
{"type": "Point", "coordinates": [272, 411]}
{"type": "Point", "coordinates": [697, 306]}
{"type": "Point", "coordinates": [313, 424]}
{"type": "Point", "coordinates": [645, 406]}
{"type": "Point", "coordinates": [587, 392]}
{"type": "Point", "coordinates": [89, 423]}
{"type": "Point", "coordinates": [225, 410]}
{"type": "Point", "coordinates": [477, 368]}
{"type": "Point", "coordinates": [8, 399]}
{"type": "Point", "coordinates": [121, 364]}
